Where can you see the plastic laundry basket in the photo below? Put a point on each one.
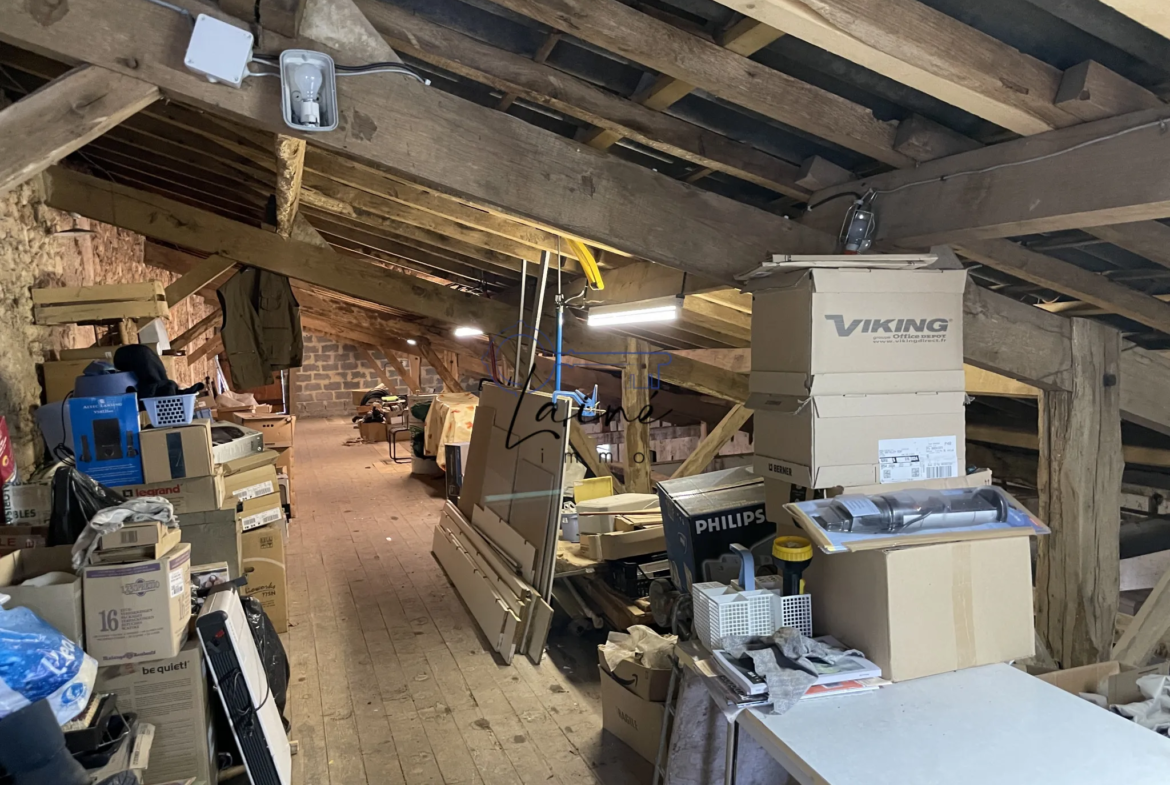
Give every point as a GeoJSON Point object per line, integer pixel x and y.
{"type": "Point", "coordinates": [721, 611]}
{"type": "Point", "coordinates": [170, 410]}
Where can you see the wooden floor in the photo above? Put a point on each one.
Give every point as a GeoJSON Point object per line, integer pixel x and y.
{"type": "Point", "coordinates": [391, 681]}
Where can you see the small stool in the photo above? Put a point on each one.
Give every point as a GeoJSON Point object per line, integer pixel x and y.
{"type": "Point", "coordinates": [393, 436]}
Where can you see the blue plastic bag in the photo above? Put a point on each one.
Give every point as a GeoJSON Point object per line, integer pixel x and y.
{"type": "Point", "coordinates": [38, 662]}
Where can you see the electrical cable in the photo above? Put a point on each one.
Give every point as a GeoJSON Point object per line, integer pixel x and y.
{"type": "Point", "coordinates": [354, 70]}
{"type": "Point", "coordinates": [834, 197]}
{"type": "Point", "coordinates": [174, 8]}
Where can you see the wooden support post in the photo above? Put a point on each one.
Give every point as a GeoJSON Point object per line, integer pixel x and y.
{"type": "Point", "coordinates": [450, 382]}
{"type": "Point", "coordinates": [64, 116]}
{"type": "Point", "coordinates": [415, 370]}
{"type": "Point", "coordinates": [1148, 627]}
{"type": "Point", "coordinates": [711, 444]}
{"type": "Point", "coordinates": [411, 383]}
{"type": "Point", "coordinates": [586, 449]}
{"type": "Point", "coordinates": [1078, 573]}
{"type": "Point", "coordinates": [636, 404]}
{"type": "Point", "coordinates": [195, 330]}
{"type": "Point", "coordinates": [290, 170]}
{"type": "Point", "coordinates": [383, 377]}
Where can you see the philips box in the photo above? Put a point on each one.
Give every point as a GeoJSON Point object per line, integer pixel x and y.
{"type": "Point", "coordinates": [847, 332]}
{"type": "Point", "coordinates": [106, 442]}
{"type": "Point", "coordinates": [702, 516]}
{"type": "Point", "coordinates": [138, 611]}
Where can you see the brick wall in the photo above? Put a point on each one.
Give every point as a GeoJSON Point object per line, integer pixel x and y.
{"type": "Point", "coordinates": [34, 254]}
{"type": "Point", "coordinates": [333, 368]}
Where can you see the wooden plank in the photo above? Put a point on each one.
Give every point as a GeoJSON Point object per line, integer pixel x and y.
{"type": "Point", "coordinates": [1149, 626]}
{"type": "Point", "coordinates": [1079, 483]}
{"type": "Point", "coordinates": [290, 169]}
{"type": "Point", "coordinates": [636, 405]}
{"type": "Point", "coordinates": [1144, 238]}
{"type": "Point", "coordinates": [721, 72]}
{"type": "Point", "coordinates": [1016, 340]}
{"type": "Point", "coordinates": [147, 291]}
{"type": "Point", "coordinates": [378, 369]}
{"type": "Point", "coordinates": [1028, 440]}
{"type": "Point", "coordinates": [419, 133]}
{"type": "Point", "coordinates": [1090, 91]}
{"type": "Point", "coordinates": [450, 382]}
{"type": "Point", "coordinates": [537, 635]}
{"type": "Point", "coordinates": [202, 274]}
{"type": "Point", "coordinates": [1150, 13]}
{"type": "Point", "coordinates": [925, 140]}
{"type": "Point", "coordinates": [981, 382]}
{"type": "Point", "coordinates": [1037, 268]}
{"type": "Point", "coordinates": [722, 433]}
{"type": "Point", "coordinates": [195, 330]}
{"type": "Point", "coordinates": [407, 379]}
{"type": "Point", "coordinates": [64, 116]}
{"type": "Point", "coordinates": [212, 346]}
{"type": "Point", "coordinates": [506, 539]}
{"type": "Point", "coordinates": [928, 50]}
{"type": "Point", "coordinates": [491, 613]}
{"type": "Point", "coordinates": [586, 449]}
{"type": "Point", "coordinates": [544, 85]}
{"type": "Point", "coordinates": [90, 313]}
{"type": "Point", "coordinates": [817, 174]}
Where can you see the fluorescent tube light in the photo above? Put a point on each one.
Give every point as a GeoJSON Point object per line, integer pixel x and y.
{"type": "Point", "coordinates": [662, 309]}
{"type": "Point", "coordinates": [412, 342]}
{"type": "Point", "coordinates": [467, 332]}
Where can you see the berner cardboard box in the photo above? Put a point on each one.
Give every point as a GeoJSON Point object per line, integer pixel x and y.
{"type": "Point", "coordinates": [177, 453]}
{"type": "Point", "coordinates": [838, 332]}
{"type": "Point", "coordinates": [171, 694]}
{"type": "Point", "coordinates": [56, 599]}
{"type": "Point", "coordinates": [928, 609]}
{"type": "Point", "coordinates": [138, 611]}
{"type": "Point", "coordinates": [848, 440]}
{"type": "Point", "coordinates": [264, 567]}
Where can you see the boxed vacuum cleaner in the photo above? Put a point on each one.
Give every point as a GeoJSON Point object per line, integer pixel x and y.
{"type": "Point", "coordinates": [106, 443]}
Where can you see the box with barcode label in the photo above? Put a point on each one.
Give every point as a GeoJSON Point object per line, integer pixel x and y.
{"type": "Point", "coordinates": [251, 484]}
{"type": "Point", "coordinates": [259, 511]}
{"type": "Point", "coordinates": [133, 535]}
{"type": "Point", "coordinates": [846, 440]}
{"type": "Point", "coordinates": [138, 611]}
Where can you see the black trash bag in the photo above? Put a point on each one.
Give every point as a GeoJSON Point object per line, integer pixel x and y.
{"type": "Point", "coordinates": [76, 498]}
{"type": "Point", "coordinates": [272, 654]}
{"type": "Point", "coordinates": [148, 368]}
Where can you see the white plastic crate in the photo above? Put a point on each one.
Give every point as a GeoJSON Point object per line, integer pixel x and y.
{"type": "Point", "coordinates": [794, 611]}
{"type": "Point", "coordinates": [170, 410]}
{"type": "Point", "coordinates": [722, 611]}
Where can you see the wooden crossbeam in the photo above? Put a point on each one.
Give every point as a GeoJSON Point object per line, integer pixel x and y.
{"type": "Point", "coordinates": [720, 435]}
{"type": "Point", "coordinates": [212, 346]}
{"type": "Point", "coordinates": [1148, 628]}
{"type": "Point", "coordinates": [372, 361]}
{"type": "Point", "coordinates": [63, 116]}
{"type": "Point", "coordinates": [411, 380]}
{"type": "Point", "coordinates": [194, 331]}
{"type": "Point", "coordinates": [450, 382]}
{"type": "Point", "coordinates": [1150, 13]}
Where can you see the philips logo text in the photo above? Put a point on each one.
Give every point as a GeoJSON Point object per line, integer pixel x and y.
{"type": "Point", "coordinates": [724, 522]}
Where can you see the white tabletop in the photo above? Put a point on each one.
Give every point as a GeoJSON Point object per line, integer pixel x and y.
{"type": "Point", "coordinates": [980, 726]}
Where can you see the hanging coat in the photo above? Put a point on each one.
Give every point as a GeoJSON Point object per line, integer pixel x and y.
{"type": "Point", "coordinates": [261, 326]}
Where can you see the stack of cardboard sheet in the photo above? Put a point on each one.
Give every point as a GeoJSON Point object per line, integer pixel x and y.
{"type": "Point", "coordinates": [510, 612]}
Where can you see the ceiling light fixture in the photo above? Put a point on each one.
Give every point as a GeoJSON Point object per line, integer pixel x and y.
{"type": "Point", "coordinates": [467, 332]}
{"type": "Point", "coordinates": [411, 342]}
{"type": "Point", "coordinates": [661, 309]}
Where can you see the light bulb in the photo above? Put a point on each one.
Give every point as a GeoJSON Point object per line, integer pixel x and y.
{"type": "Point", "coordinates": [308, 79]}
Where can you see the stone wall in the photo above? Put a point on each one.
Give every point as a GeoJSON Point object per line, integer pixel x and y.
{"type": "Point", "coordinates": [34, 254]}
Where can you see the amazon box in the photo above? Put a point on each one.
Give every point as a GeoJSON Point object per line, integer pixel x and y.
{"type": "Point", "coordinates": [845, 332]}
{"type": "Point", "coordinates": [649, 684]}
{"type": "Point", "coordinates": [630, 717]}
{"type": "Point", "coordinates": [929, 609]}
{"type": "Point", "coordinates": [138, 611]}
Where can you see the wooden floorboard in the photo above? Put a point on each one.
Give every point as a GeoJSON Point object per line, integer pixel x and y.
{"type": "Point", "coordinates": [392, 683]}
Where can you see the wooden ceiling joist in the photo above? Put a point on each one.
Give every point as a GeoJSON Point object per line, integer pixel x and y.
{"type": "Point", "coordinates": [290, 159]}
{"type": "Point", "coordinates": [1150, 13]}
{"type": "Point", "coordinates": [44, 127]}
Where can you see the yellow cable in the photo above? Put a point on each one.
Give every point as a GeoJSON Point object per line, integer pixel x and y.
{"type": "Point", "coordinates": [588, 263]}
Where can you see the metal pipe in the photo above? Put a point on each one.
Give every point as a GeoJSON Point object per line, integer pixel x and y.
{"type": "Point", "coordinates": [538, 308]}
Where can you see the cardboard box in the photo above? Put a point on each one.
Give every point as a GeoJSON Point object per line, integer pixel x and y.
{"type": "Point", "coordinates": [825, 441]}
{"type": "Point", "coordinates": [106, 442]}
{"type": "Point", "coordinates": [930, 609]}
{"type": "Point", "coordinates": [172, 695]}
{"type": "Point", "coordinates": [838, 332]}
{"type": "Point", "coordinates": [214, 536]}
{"type": "Point", "coordinates": [136, 612]}
{"type": "Point", "coordinates": [28, 504]}
{"type": "Point", "coordinates": [133, 535]}
{"type": "Point", "coordinates": [626, 545]}
{"type": "Point", "coordinates": [137, 553]}
{"type": "Point", "coordinates": [259, 511]}
{"type": "Point", "coordinates": [264, 566]}
{"type": "Point", "coordinates": [198, 494]}
{"type": "Point", "coordinates": [633, 719]}
{"type": "Point", "coordinates": [649, 684]}
{"type": "Point", "coordinates": [61, 375]}
{"type": "Point", "coordinates": [249, 462]}
{"type": "Point", "coordinates": [704, 515]}
{"type": "Point", "coordinates": [177, 453]}
{"type": "Point", "coordinates": [277, 428]}
{"type": "Point", "coordinates": [251, 484]}
{"type": "Point", "coordinates": [1115, 681]}
{"type": "Point", "coordinates": [204, 576]}
{"type": "Point", "coordinates": [233, 441]}
{"type": "Point", "coordinates": [373, 432]}
{"type": "Point", "coordinates": [58, 603]}
{"type": "Point", "coordinates": [15, 538]}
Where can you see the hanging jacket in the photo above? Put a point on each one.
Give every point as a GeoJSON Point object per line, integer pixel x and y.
{"type": "Point", "coordinates": [261, 326]}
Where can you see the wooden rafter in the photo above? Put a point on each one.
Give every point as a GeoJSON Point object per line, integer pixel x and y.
{"type": "Point", "coordinates": [372, 361]}
{"type": "Point", "coordinates": [1148, 628]}
{"type": "Point", "coordinates": [722, 433]}
{"type": "Point", "coordinates": [290, 169]}
{"type": "Point", "coordinates": [409, 379]}
{"type": "Point", "coordinates": [636, 452]}
{"type": "Point", "coordinates": [450, 382]}
{"type": "Point", "coordinates": [1150, 13]}
{"type": "Point", "coordinates": [63, 116]}
{"type": "Point", "coordinates": [194, 331]}
{"type": "Point", "coordinates": [586, 449]}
